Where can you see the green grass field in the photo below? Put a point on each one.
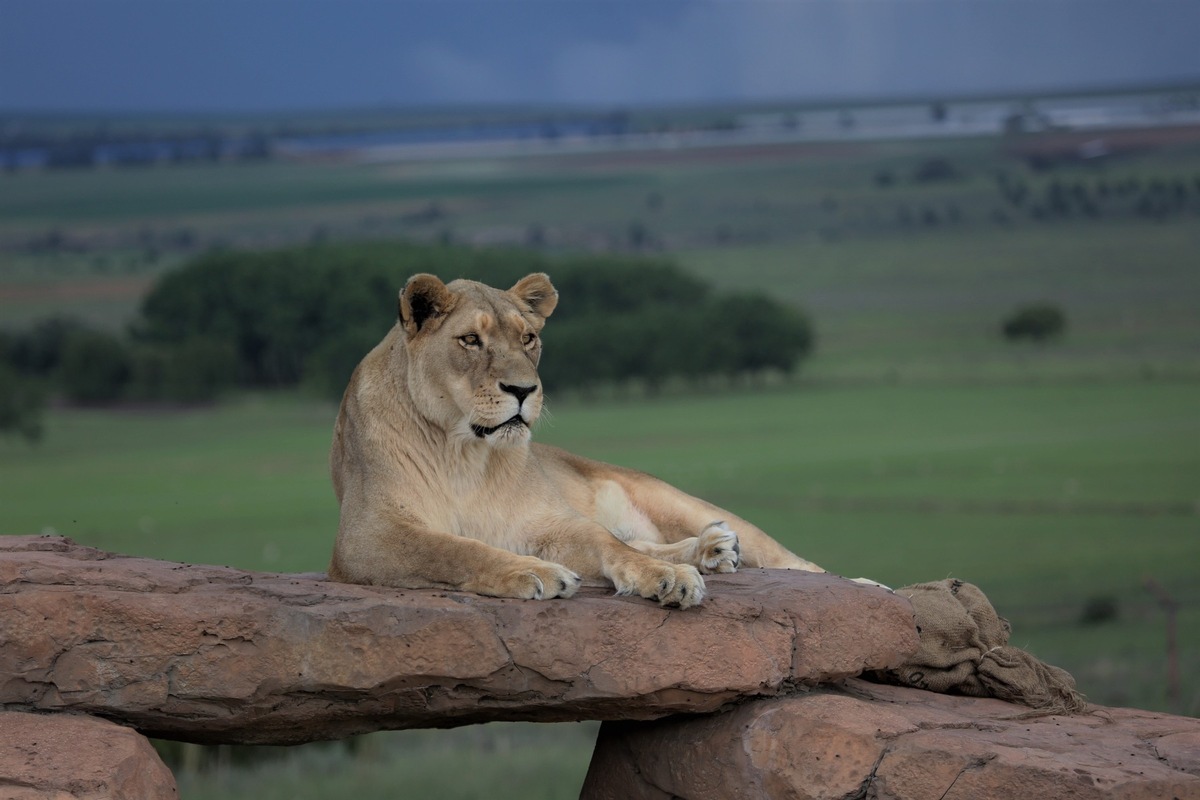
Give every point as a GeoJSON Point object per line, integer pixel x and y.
{"type": "Point", "coordinates": [916, 445]}
{"type": "Point", "coordinates": [500, 760]}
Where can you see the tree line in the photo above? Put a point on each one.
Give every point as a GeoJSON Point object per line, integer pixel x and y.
{"type": "Point", "coordinates": [304, 317]}
{"type": "Point", "coordinates": [45, 142]}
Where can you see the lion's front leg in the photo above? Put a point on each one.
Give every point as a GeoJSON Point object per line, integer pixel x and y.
{"type": "Point", "coordinates": [589, 549]}
{"type": "Point", "coordinates": [389, 550]}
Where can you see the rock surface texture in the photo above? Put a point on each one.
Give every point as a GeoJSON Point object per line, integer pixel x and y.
{"type": "Point", "coordinates": [864, 740]}
{"type": "Point", "coordinates": [211, 654]}
{"type": "Point", "coordinates": [65, 757]}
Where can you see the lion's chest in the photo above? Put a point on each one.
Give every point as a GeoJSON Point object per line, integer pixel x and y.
{"type": "Point", "coordinates": [500, 511]}
{"type": "Point", "coordinates": [495, 524]}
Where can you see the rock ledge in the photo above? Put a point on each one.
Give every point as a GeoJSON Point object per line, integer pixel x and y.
{"type": "Point", "coordinates": [218, 655]}
{"type": "Point", "coordinates": [863, 740]}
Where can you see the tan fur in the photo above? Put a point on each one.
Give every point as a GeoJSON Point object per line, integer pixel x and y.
{"type": "Point", "coordinates": [429, 501]}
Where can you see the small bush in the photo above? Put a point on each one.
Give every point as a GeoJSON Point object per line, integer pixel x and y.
{"type": "Point", "coordinates": [1039, 322]}
{"type": "Point", "coordinates": [1099, 609]}
{"type": "Point", "coordinates": [935, 170]}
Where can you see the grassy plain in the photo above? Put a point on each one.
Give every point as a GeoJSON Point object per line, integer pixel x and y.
{"type": "Point", "coordinates": [496, 761]}
{"type": "Point", "coordinates": [915, 446]}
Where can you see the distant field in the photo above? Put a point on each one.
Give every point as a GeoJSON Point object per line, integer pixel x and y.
{"type": "Point", "coordinates": [929, 306]}
{"type": "Point", "coordinates": [521, 761]}
{"type": "Point", "coordinates": [905, 278]}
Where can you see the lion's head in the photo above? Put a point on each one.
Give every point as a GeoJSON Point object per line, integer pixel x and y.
{"type": "Point", "coordinates": [473, 353]}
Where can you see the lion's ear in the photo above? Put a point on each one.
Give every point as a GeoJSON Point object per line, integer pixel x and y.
{"type": "Point", "coordinates": [537, 292]}
{"type": "Point", "coordinates": [424, 300]}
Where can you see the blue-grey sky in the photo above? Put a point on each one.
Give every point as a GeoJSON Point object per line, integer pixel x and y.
{"type": "Point", "coordinates": [212, 55]}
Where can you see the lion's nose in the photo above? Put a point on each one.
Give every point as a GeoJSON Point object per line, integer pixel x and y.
{"type": "Point", "coordinates": [519, 392]}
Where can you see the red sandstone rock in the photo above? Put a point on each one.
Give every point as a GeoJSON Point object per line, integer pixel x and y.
{"type": "Point", "coordinates": [893, 743]}
{"type": "Point", "coordinates": [212, 654]}
{"type": "Point", "coordinates": [61, 756]}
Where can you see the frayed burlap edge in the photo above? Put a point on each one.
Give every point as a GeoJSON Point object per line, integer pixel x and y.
{"type": "Point", "coordinates": [964, 650]}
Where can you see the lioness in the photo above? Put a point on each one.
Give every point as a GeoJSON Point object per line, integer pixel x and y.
{"type": "Point", "coordinates": [440, 486]}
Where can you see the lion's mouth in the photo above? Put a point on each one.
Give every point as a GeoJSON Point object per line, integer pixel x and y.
{"type": "Point", "coordinates": [515, 419]}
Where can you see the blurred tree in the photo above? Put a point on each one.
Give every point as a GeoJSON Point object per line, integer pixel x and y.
{"type": "Point", "coordinates": [639, 235]}
{"type": "Point", "coordinates": [39, 350]}
{"type": "Point", "coordinates": [95, 368]}
{"type": "Point", "coordinates": [329, 367]}
{"type": "Point", "coordinates": [934, 170]}
{"type": "Point", "coordinates": [256, 147]}
{"type": "Point", "coordinates": [1099, 609]}
{"type": "Point", "coordinates": [196, 370]}
{"type": "Point", "coordinates": [22, 404]}
{"type": "Point", "coordinates": [535, 235]}
{"type": "Point", "coordinates": [764, 334]}
{"type": "Point", "coordinates": [1037, 321]}
{"type": "Point", "coordinates": [309, 315]}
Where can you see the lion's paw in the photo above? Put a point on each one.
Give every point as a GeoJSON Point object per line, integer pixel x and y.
{"type": "Point", "coordinates": [717, 549]}
{"type": "Point", "coordinates": [540, 581]}
{"type": "Point", "coordinates": [670, 584]}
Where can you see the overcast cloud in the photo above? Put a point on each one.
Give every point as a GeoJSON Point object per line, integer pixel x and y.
{"type": "Point", "coordinates": [280, 54]}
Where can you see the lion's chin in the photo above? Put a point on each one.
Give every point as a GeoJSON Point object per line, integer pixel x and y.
{"type": "Point", "coordinates": [513, 431]}
{"type": "Point", "coordinates": [511, 435]}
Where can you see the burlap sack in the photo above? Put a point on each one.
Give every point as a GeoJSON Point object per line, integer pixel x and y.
{"type": "Point", "coordinates": [964, 650]}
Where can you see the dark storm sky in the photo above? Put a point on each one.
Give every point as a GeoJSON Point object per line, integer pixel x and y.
{"type": "Point", "coordinates": [203, 55]}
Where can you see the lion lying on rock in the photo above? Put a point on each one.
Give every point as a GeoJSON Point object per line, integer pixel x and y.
{"type": "Point", "coordinates": [440, 485]}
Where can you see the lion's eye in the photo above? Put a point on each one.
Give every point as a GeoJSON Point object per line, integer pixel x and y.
{"type": "Point", "coordinates": [529, 339]}
{"type": "Point", "coordinates": [469, 340]}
